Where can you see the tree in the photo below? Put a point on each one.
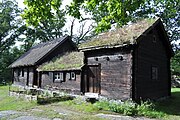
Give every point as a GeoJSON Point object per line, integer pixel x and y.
{"type": "Point", "coordinates": [10, 30]}
{"type": "Point", "coordinates": [81, 32]}
{"type": "Point", "coordinates": [9, 24]}
{"type": "Point", "coordinates": [175, 64]}
{"type": "Point", "coordinates": [45, 19]}
{"type": "Point", "coordinates": [168, 10]}
{"type": "Point", "coordinates": [7, 57]}
{"type": "Point", "coordinates": [105, 12]}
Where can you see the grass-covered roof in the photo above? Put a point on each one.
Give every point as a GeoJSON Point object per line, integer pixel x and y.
{"type": "Point", "coordinates": [125, 35]}
{"type": "Point", "coordinates": [69, 61]}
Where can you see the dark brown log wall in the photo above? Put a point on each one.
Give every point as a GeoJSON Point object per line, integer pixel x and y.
{"type": "Point", "coordinates": [69, 86]}
{"type": "Point", "coordinates": [115, 71]}
{"type": "Point", "coordinates": [150, 52]}
{"type": "Point", "coordinates": [22, 80]}
{"type": "Point", "coordinates": [66, 46]}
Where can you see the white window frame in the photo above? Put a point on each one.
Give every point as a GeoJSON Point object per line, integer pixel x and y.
{"type": "Point", "coordinates": [58, 77]}
{"type": "Point", "coordinates": [73, 76]}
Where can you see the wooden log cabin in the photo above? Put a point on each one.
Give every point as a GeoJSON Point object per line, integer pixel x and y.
{"type": "Point", "coordinates": [132, 62]}
{"type": "Point", "coordinates": [24, 69]}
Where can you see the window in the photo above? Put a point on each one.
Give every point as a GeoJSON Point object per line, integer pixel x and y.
{"type": "Point", "coordinates": [68, 76]}
{"type": "Point", "coordinates": [154, 73]}
{"type": "Point", "coordinates": [19, 72]}
{"type": "Point", "coordinates": [22, 72]}
{"type": "Point", "coordinates": [58, 77]}
{"type": "Point", "coordinates": [154, 39]}
{"type": "Point", "coordinates": [73, 76]}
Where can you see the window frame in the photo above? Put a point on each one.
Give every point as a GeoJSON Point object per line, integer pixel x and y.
{"type": "Point", "coordinates": [74, 77]}
{"type": "Point", "coordinates": [154, 73]}
{"type": "Point", "coordinates": [22, 72]}
{"type": "Point", "coordinates": [58, 77]}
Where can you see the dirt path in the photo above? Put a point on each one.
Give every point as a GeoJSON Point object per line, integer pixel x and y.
{"type": "Point", "coordinates": [64, 114]}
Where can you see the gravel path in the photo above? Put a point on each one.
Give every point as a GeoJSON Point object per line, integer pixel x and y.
{"type": "Point", "coordinates": [7, 113]}
{"type": "Point", "coordinates": [23, 116]}
{"type": "Point", "coordinates": [29, 118]}
{"type": "Point", "coordinates": [120, 117]}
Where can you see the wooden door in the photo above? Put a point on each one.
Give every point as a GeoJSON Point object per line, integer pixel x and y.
{"type": "Point", "coordinates": [93, 78]}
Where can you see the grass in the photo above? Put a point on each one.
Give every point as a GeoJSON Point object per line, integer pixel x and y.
{"type": "Point", "coordinates": [165, 109]}
{"type": "Point", "coordinates": [124, 35]}
{"type": "Point", "coordinates": [170, 106]}
{"type": "Point", "coordinates": [69, 61]}
{"type": "Point", "coordinates": [12, 103]}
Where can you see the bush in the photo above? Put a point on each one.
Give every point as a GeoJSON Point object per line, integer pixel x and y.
{"type": "Point", "coordinates": [147, 109]}
{"type": "Point", "coordinates": [129, 108]}
{"type": "Point", "coordinates": [47, 100]}
{"type": "Point", "coordinates": [102, 105]}
{"type": "Point", "coordinates": [126, 108]}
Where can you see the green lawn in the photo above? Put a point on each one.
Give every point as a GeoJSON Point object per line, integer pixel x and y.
{"type": "Point", "coordinates": [12, 103]}
{"type": "Point", "coordinates": [170, 106]}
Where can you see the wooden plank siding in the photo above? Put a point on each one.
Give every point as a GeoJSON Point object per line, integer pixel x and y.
{"type": "Point", "coordinates": [27, 79]}
{"type": "Point", "coordinates": [32, 78]}
{"type": "Point", "coordinates": [69, 86]}
{"type": "Point", "coordinates": [150, 52]}
{"type": "Point", "coordinates": [115, 73]}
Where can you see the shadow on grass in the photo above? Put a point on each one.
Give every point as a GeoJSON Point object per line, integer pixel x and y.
{"type": "Point", "coordinates": [170, 106]}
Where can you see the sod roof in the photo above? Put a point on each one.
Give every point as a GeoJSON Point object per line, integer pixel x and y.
{"type": "Point", "coordinates": [69, 61]}
{"type": "Point", "coordinates": [128, 34]}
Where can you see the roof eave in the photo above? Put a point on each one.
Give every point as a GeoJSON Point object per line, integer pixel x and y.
{"type": "Point", "coordinates": [104, 46]}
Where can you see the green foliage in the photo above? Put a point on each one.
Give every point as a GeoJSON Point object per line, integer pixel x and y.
{"type": "Point", "coordinates": [175, 64]}
{"type": "Point", "coordinates": [39, 11]}
{"type": "Point", "coordinates": [45, 19]}
{"type": "Point", "coordinates": [46, 100]}
{"type": "Point", "coordinates": [126, 108]}
{"type": "Point", "coordinates": [102, 105]}
{"type": "Point", "coordinates": [130, 108]}
{"type": "Point", "coordinates": [167, 10]}
{"type": "Point", "coordinates": [10, 31]}
{"type": "Point", "coordinates": [6, 58]}
{"type": "Point", "coordinates": [9, 26]}
{"type": "Point", "coordinates": [105, 12]}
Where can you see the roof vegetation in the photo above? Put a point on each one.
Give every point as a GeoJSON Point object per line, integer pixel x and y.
{"type": "Point", "coordinates": [125, 35]}
{"type": "Point", "coordinates": [69, 61]}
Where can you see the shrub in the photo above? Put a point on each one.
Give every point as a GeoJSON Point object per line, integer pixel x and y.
{"type": "Point", "coordinates": [102, 105]}
{"type": "Point", "coordinates": [46, 100]}
{"type": "Point", "coordinates": [126, 108]}
{"type": "Point", "coordinates": [147, 109]}
{"type": "Point", "coordinates": [129, 108]}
